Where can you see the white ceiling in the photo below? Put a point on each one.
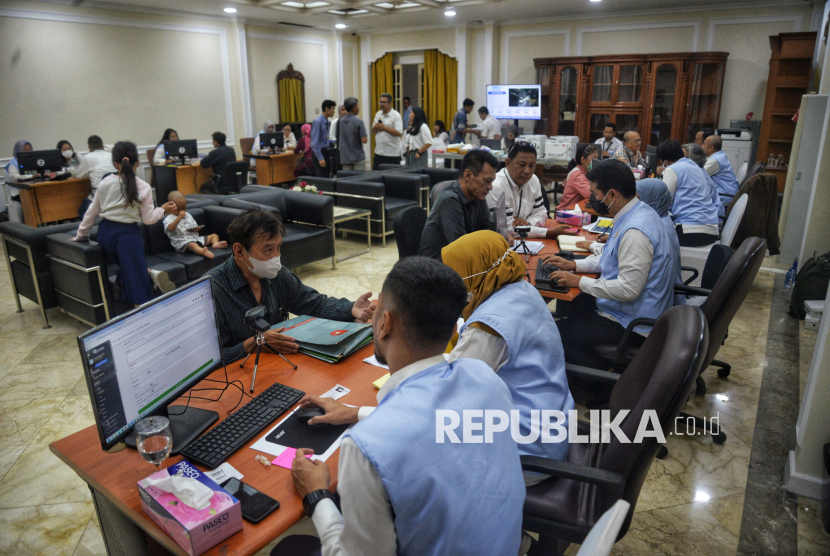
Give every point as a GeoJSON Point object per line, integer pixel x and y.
{"type": "Point", "coordinates": [426, 12]}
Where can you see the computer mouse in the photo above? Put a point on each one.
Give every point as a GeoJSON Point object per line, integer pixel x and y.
{"type": "Point", "coordinates": [305, 414]}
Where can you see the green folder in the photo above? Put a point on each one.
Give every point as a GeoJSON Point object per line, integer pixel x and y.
{"type": "Point", "coordinates": [325, 339]}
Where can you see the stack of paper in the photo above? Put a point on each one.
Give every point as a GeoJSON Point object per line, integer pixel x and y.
{"type": "Point", "coordinates": [601, 226]}
{"type": "Point", "coordinates": [568, 243]}
{"type": "Point", "coordinates": [324, 339]}
{"type": "Point", "coordinates": [533, 246]}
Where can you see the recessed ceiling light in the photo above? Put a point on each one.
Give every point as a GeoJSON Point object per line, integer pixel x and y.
{"type": "Point", "coordinates": [230, 10]}
{"type": "Point", "coordinates": [449, 13]}
{"type": "Point", "coordinates": [596, 0]}
{"type": "Point", "coordinates": [340, 25]}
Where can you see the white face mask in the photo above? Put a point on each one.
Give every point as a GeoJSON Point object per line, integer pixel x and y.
{"type": "Point", "coordinates": [265, 269]}
{"type": "Point", "coordinates": [67, 153]}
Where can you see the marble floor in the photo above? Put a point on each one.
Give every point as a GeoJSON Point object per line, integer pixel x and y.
{"type": "Point", "coordinates": [691, 502]}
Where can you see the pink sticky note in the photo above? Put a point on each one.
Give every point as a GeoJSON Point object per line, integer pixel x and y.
{"type": "Point", "coordinates": [286, 457]}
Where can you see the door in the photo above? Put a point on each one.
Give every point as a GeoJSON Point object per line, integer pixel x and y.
{"type": "Point", "coordinates": [664, 107]}
{"type": "Point", "coordinates": [568, 101]}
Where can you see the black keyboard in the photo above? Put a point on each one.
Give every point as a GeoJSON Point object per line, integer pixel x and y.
{"type": "Point", "coordinates": [249, 420]}
{"type": "Point", "coordinates": [543, 281]}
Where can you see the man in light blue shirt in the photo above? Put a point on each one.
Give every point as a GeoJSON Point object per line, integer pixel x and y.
{"type": "Point", "coordinates": [407, 110]}
{"type": "Point", "coordinates": [320, 142]}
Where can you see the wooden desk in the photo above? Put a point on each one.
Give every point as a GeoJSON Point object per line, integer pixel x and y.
{"type": "Point", "coordinates": [50, 201]}
{"type": "Point", "coordinates": [274, 168]}
{"type": "Point", "coordinates": [189, 179]}
{"type": "Point", "coordinates": [114, 476]}
{"type": "Point", "coordinates": [552, 247]}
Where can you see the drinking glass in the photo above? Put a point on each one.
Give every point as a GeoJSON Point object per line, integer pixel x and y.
{"type": "Point", "coordinates": [153, 439]}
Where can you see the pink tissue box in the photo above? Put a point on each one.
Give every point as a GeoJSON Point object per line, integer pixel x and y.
{"type": "Point", "coordinates": [196, 531]}
{"type": "Point", "coordinates": [573, 218]}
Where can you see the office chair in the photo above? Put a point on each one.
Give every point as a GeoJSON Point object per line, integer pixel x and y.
{"type": "Point", "coordinates": [596, 475]}
{"type": "Point", "coordinates": [408, 226]}
{"type": "Point", "coordinates": [492, 144]}
{"type": "Point", "coordinates": [234, 178]}
{"type": "Point", "coordinates": [741, 173]}
{"type": "Point", "coordinates": [696, 256]}
{"type": "Point", "coordinates": [164, 180]}
{"type": "Point", "coordinates": [437, 190]}
{"type": "Point", "coordinates": [600, 541]}
{"type": "Point", "coordinates": [757, 168]}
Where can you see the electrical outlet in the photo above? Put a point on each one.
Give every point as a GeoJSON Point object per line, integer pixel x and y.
{"type": "Point", "coordinates": [316, 110]}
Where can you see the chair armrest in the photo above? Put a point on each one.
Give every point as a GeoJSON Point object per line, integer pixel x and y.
{"type": "Point", "coordinates": [591, 374]}
{"type": "Point", "coordinates": [403, 185]}
{"type": "Point", "coordinates": [690, 290]}
{"type": "Point", "coordinates": [86, 254]}
{"type": "Point", "coordinates": [691, 269]}
{"type": "Point", "coordinates": [613, 483]}
{"type": "Point", "coordinates": [629, 330]}
{"type": "Point", "coordinates": [308, 208]}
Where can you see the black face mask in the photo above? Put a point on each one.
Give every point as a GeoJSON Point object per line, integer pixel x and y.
{"type": "Point", "coordinates": [598, 206]}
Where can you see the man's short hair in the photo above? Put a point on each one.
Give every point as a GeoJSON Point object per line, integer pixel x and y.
{"type": "Point", "coordinates": [252, 225]}
{"type": "Point", "coordinates": [427, 296]}
{"type": "Point", "coordinates": [706, 133]}
{"type": "Point", "coordinates": [715, 142]}
{"type": "Point", "coordinates": [94, 143]}
{"type": "Point", "coordinates": [350, 103]}
{"type": "Point", "coordinates": [612, 125]}
{"type": "Point", "coordinates": [468, 102]}
{"type": "Point", "coordinates": [613, 174]}
{"type": "Point", "coordinates": [695, 153]}
{"type": "Point", "coordinates": [407, 98]}
{"type": "Point", "coordinates": [219, 137]}
{"type": "Point", "coordinates": [483, 110]}
{"type": "Point", "coordinates": [387, 96]}
{"type": "Point", "coordinates": [328, 104]}
{"type": "Point", "coordinates": [475, 161]}
{"type": "Point", "coordinates": [670, 150]}
{"type": "Point", "coordinates": [520, 146]}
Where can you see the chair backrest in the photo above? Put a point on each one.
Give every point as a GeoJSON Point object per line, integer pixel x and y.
{"type": "Point", "coordinates": [603, 534]}
{"type": "Point", "coordinates": [659, 379]}
{"type": "Point", "coordinates": [246, 144]}
{"type": "Point", "coordinates": [235, 177]}
{"type": "Point", "coordinates": [151, 154]}
{"type": "Point", "coordinates": [438, 189]}
{"type": "Point", "coordinates": [730, 290]}
{"type": "Point", "coordinates": [742, 172]}
{"type": "Point", "coordinates": [492, 144]}
{"type": "Point", "coordinates": [757, 168]}
{"type": "Point", "coordinates": [718, 257]}
{"type": "Point", "coordinates": [409, 225]}
{"type": "Point", "coordinates": [164, 180]}
{"type": "Point", "coordinates": [736, 214]}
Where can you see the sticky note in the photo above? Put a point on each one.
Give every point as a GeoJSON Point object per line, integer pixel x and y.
{"type": "Point", "coordinates": [381, 381]}
{"type": "Point", "coordinates": [286, 457]}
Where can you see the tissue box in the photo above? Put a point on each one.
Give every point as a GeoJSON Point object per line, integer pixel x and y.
{"type": "Point", "coordinates": [196, 531]}
{"type": "Point", "coordinates": [573, 218]}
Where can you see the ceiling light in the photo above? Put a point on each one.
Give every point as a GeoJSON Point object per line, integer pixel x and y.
{"type": "Point", "coordinates": [449, 13]}
{"type": "Point", "coordinates": [230, 10]}
{"type": "Point", "coordinates": [340, 26]}
{"type": "Point", "coordinates": [596, 0]}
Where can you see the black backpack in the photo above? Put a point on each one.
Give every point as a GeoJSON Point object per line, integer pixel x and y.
{"type": "Point", "coordinates": [811, 282]}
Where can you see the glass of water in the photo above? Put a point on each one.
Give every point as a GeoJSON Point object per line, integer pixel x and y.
{"type": "Point", "coordinates": [153, 439]}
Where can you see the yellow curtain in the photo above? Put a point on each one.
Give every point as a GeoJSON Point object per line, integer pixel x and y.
{"type": "Point", "coordinates": [440, 87]}
{"type": "Point", "coordinates": [382, 82]}
{"type": "Point", "coordinates": [291, 101]}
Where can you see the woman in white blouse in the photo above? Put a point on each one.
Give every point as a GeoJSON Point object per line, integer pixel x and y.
{"type": "Point", "coordinates": [419, 139]}
{"type": "Point", "coordinates": [169, 135]}
{"type": "Point", "coordinates": [288, 137]}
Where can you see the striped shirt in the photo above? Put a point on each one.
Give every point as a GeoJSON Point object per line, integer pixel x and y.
{"type": "Point", "coordinates": [281, 295]}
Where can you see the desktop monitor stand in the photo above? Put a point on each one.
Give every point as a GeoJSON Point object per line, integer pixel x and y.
{"type": "Point", "coordinates": [185, 425]}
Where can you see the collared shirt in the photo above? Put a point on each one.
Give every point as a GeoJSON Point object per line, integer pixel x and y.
{"type": "Point", "coordinates": [451, 217]}
{"type": "Point", "coordinates": [285, 293]}
{"type": "Point", "coordinates": [319, 135]}
{"type": "Point", "coordinates": [611, 147]}
{"type": "Point", "coordinates": [332, 129]}
{"type": "Point", "coordinates": [218, 158]}
{"type": "Point", "coordinates": [459, 123]}
{"type": "Point", "coordinates": [406, 114]}
{"type": "Point", "coordinates": [630, 157]}
{"type": "Point", "coordinates": [387, 144]}
{"type": "Point", "coordinates": [109, 203]}
{"type": "Point", "coordinates": [490, 127]}
{"type": "Point", "coordinates": [367, 524]}
{"type": "Point", "coordinates": [520, 201]}
{"type": "Point", "coordinates": [96, 165]}
{"type": "Point", "coordinates": [351, 130]}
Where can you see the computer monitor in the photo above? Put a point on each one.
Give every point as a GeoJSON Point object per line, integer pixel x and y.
{"type": "Point", "coordinates": [40, 162]}
{"type": "Point", "coordinates": [181, 149]}
{"type": "Point", "coordinates": [272, 141]}
{"type": "Point", "coordinates": [137, 364]}
{"type": "Point", "coordinates": [515, 102]}
{"type": "Point", "coordinates": [651, 157]}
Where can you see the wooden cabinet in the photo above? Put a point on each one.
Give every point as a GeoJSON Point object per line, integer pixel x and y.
{"type": "Point", "coordinates": [661, 96]}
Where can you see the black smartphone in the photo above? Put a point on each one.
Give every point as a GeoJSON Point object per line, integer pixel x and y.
{"type": "Point", "coordinates": [255, 505]}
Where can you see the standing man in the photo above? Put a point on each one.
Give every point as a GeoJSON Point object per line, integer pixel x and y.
{"type": "Point", "coordinates": [718, 166]}
{"type": "Point", "coordinates": [630, 151]}
{"type": "Point", "coordinates": [407, 110]}
{"type": "Point", "coordinates": [351, 136]}
{"type": "Point", "coordinates": [96, 165]}
{"type": "Point", "coordinates": [320, 143]}
{"type": "Point", "coordinates": [608, 144]}
{"type": "Point", "coordinates": [333, 124]}
{"type": "Point", "coordinates": [490, 126]}
{"type": "Point", "coordinates": [459, 122]}
{"type": "Point", "coordinates": [388, 130]}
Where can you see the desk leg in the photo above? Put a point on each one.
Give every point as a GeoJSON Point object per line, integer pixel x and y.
{"type": "Point", "coordinates": [334, 246]}
{"type": "Point", "coordinates": [121, 536]}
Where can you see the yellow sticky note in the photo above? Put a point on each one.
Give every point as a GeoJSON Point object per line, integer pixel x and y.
{"type": "Point", "coordinates": [381, 381]}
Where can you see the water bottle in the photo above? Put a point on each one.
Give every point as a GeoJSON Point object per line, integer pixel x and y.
{"type": "Point", "coordinates": [789, 279]}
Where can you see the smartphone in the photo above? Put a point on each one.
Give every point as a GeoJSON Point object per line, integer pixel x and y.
{"type": "Point", "coordinates": [255, 505]}
{"type": "Point", "coordinates": [196, 229]}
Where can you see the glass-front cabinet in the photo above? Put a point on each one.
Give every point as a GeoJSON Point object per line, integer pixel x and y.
{"type": "Point", "coordinates": [568, 86]}
{"type": "Point", "coordinates": [663, 109]}
{"type": "Point", "coordinates": [565, 98]}
{"type": "Point", "coordinates": [704, 98]}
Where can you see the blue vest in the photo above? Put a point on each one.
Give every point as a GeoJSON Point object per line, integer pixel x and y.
{"type": "Point", "coordinates": [693, 197]}
{"type": "Point", "coordinates": [675, 247]}
{"type": "Point", "coordinates": [724, 178]}
{"type": "Point", "coordinates": [716, 200]}
{"type": "Point", "coordinates": [535, 369]}
{"type": "Point", "coordinates": [460, 499]}
{"type": "Point", "coordinates": [658, 293]}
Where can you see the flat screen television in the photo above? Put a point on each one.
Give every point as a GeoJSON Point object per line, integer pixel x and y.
{"type": "Point", "coordinates": [515, 102]}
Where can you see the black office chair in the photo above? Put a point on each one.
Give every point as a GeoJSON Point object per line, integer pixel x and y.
{"type": "Point", "coordinates": [492, 144]}
{"type": "Point", "coordinates": [756, 168]}
{"type": "Point", "coordinates": [234, 178]}
{"type": "Point", "coordinates": [437, 190]}
{"type": "Point", "coordinates": [164, 181]}
{"type": "Point", "coordinates": [409, 225]}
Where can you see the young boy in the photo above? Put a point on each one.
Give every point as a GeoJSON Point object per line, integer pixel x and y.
{"type": "Point", "coordinates": [183, 231]}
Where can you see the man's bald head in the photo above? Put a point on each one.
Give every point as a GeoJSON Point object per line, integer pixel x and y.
{"type": "Point", "coordinates": [712, 144]}
{"type": "Point", "coordinates": [632, 140]}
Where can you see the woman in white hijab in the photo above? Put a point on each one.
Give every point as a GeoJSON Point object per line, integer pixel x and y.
{"type": "Point", "coordinates": [267, 127]}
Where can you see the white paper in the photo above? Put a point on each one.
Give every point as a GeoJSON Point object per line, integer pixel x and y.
{"type": "Point", "coordinates": [533, 246]}
{"type": "Point", "coordinates": [336, 393]}
{"type": "Point", "coordinates": [263, 445]}
{"type": "Point", "coordinates": [223, 473]}
{"type": "Point", "coordinates": [373, 361]}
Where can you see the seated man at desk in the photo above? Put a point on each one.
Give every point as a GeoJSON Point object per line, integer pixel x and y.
{"type": "Point", "coordinates": [637, 270]}
{"type": "Point", "coordinates": [718, 166]}
{"type": "Point", "coordinates": [462, 207]}
{"type": "Point", "coordinates": [517, 181]}
{"type": "Point", "coordinates": [630, 151]}
{"type": "Point", "coordinates": [402, 492]}
{"type": "Point", "coordinates": [608, 144]}
{"type": "Point", "coordinates": [253, 276]}
{"type": "Point", "coordinates": [219, 157]}
{"type": "Point", "coordinates": [95, 165]}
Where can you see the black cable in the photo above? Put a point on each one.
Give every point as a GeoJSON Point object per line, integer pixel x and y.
{"type": "Point", "coordinates": [227, 384]}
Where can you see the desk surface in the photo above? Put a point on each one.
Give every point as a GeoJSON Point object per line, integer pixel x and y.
{"type": "Point", "coordinates": [116, 475]}
{"type": "Point", "coordinates": [269, 156]}
{"type": "Point", "coordinates": [551, 247]}
{"type": "Point", "coordinates": [29, 185]}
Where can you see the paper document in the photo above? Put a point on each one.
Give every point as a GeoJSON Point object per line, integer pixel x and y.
{"type": "Point", "coordinates": [336, 393]}
{"type": "Point", "coordinates": [568, 243]}
{"type": "Point", "coordinates": [373, 361]}
{"type": "Point", "coordinates": [533, 246]}
{"type": "Point", "coordinates": [223, 473]}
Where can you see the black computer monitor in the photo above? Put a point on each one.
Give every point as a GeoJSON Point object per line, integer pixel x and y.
{"type": "Point", "coordinates": [181, 149]}
{"type": "Point", "coordinates": [137, 364]}
{"type": "Point", "coordinates": [272, 141]}
{"type": "Point", "coordinates": [40, 162]}
{"type": "Point", "coordinates": [651, 157]}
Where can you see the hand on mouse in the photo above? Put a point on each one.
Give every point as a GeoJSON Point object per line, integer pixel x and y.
{"type": "Point", "coordinates": [309, 475]}
{"type": "Point", "coordinates": [336, 413]}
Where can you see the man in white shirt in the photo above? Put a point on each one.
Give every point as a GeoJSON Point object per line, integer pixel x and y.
{"type": "Point", "coordinates": [608, 143]}
{"type": "Point", "coordinates": [524, 204]}
{"type": "Point", "coordinates": [403, 493]}
{"type": "Point", "coordinates": [388, 130]}
{"type": "Point", "coordinates": [490, 126]}
{"type": "Point", "coordinates": [95, 165]}
{"type": "Point", "coordinates": [333, 124]}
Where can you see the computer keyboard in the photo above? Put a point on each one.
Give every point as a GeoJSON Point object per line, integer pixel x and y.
{"type": "Point", "coordinates": [543, 281]}
{"type": "Point", "coordinates": [249, 420]}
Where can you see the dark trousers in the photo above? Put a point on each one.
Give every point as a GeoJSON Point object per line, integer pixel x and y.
{"type": "Point", "coordinates": [124, 245]}
{"type": "Point", "coordinates": [584, 328]}
{"type": "Point", "coordinates": [84, 205]}
{"type": "Point", "coordinates": [694, 240]}
{"type": "Point", "coordinates": [319, 171]}
{"type": "Point", "coordinates": [384, 160]}
{"type": "Point", "coordinates": [298, 545]}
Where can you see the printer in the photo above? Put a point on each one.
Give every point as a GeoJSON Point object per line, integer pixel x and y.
{"type": "Point", "coordinates": [561, 147]}
{"type": "Point", "coordinates": [737, 145]}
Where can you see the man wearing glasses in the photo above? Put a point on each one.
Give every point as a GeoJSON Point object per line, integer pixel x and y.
{"type": "Point", "coordinates": [630, 151]}
{"type": "Point", "coordinates": [388, 130]}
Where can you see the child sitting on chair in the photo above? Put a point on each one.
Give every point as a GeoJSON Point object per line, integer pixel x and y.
{"type": "Point", "coordinates": [183, 230]}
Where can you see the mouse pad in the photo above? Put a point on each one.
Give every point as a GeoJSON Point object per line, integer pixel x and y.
{"type": "Point", "coordinates": [295, 433]}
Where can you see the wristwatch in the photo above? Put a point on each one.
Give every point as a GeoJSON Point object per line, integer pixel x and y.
{"type": "Point", "coordinates": [312, 498]}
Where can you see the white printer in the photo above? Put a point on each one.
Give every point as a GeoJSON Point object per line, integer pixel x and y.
{"type": "Point", "coordinates": [561, 147]}
{"type": "Point", "coordinates": [737, 146]}
{"type": "Point", "coordinates": [538, 142]}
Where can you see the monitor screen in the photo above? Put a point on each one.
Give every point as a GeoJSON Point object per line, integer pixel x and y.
{"type": "Point", "coordinates": [40, 161]}
{"type": "Point", "coordinates": [180, 149]}
{"type": "Point", "coordinates": [271, 140]}
{"type": "Point", "coordinates": [515, 102]}
{"type": "Point", "coordinates": [139, 363]}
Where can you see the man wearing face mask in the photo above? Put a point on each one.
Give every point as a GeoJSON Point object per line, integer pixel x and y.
{"type": "Point", "coordinates": [637, 268]}
{"type": "Point", "coordinates": [254, 276]}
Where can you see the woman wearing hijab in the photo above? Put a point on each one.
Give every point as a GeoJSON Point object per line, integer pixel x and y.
{"type": "Point", "coordinates": [304, 167]}
{"type": "Point", "coordinates": [70, 157]}
{"type": "Point", "coordinates": [169, 135]}
{"type": "Point", "coordinates": [655, 194]}
{"type": "Point", "coordinates": [510, 134]}
{"type": "Point", "coordinates": [12, 196]}
{"type": "Point", "coordinates": [509, 327]}
{"type": "Point", "coordinates": [267, 127]}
